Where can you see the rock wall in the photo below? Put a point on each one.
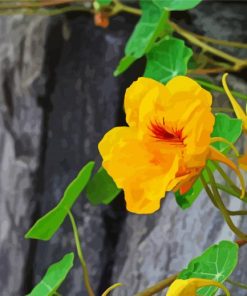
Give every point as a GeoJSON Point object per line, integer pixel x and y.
{"type": "Point", "coordinates": [58, 97]}
{"type": "Point", "coordinates": [21, 58]}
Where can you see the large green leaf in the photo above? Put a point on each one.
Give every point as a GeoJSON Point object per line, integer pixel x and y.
{"type": "Point", "coordinates": [101, 189]}
{"type": "Point", "coordinates": [225, 127]}
{"type": "Point", "coordinates": [150, 25]}
{"type": "Point", "coordinates": [47, 226]}
{"type": "Point", "coordinates": [216, 263]}
{"type": "Point", "coordinates": [167, 59]}
{"type": "Point", "coordinates": [54, 277]}
{"type": "Point", "coordinates": [176, 4]}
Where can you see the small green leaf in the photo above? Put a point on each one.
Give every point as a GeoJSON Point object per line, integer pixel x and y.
{"type": "Point", "coordinates": [216, 263]}
{"type": "Point", "coordinates": [124, 64]}
{"type": "Point", "coordinates": [47, 226]}
{"type": "Point", "coordinates": [227, 128]}
{"type": "Point", "coordinates": [101, 189]}
{"type": "Point", "coordinates": [167, 59]}
{"type": "Point", "coordinates": [186, 200]}
{"type": "Point", "coordinates": [150, 25]}
{"type": "Point", "coordinates": [54, 277]}
{"type": "Point", "coordinates": [176, 4]}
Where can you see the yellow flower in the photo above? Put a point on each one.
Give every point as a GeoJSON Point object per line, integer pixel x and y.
{"type": "Point", "coordinates": [166, 144]}
{"type": "Point", "coordinates": [190, 286]}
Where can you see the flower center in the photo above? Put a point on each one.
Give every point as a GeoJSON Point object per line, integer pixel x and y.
{"type": "Point", "coordinates": [163, 133]}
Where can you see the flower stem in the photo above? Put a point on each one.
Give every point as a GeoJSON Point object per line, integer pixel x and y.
{"type": "Point", "coordinates": [238, 63]}
{"type": "Point", "coordinates": [119, 7]}
{"type": "Point", "coordinates": [240, 285]}
{"type": "Point", "coordinates": [241, 242]}
{"type": "Point", "coordinates": [32, 4]}
{"type": "Point", "coordinates": [158, 286]}
{"type": "Point", "coordinates": [208, 190]}
{"type": "Point", "coordinates": [221, 42]}
{"type": "Point", "coordinates": [205, 71]}
{"type": "Point", "coordinates": [107, 291]}
{"type": "Point", "coordinates": [43, 11]}
{"type": "Point", "coordinates": [227, 189]}
{"type": "Point", "coordinates": [226, 178]}
{"type": "Point", "coordinates": [80, 255]}
{"type": "Point", "coordinates": [220, 89]}
{"type": "Point", "coordinates": [222, 109]}
{"type": "Point", "coordinates": [223, 140]}
{"type": "Point", "coordinates": [222, 208]}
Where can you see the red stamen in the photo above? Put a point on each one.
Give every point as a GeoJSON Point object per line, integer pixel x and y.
{"type": "Point", "coordinates": [161, 132]}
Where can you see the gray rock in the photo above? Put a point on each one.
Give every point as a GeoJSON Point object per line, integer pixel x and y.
{"type": "Point", "coordinates": [21, 59]}
{"type": "Point", "coordinates": [41, 150]}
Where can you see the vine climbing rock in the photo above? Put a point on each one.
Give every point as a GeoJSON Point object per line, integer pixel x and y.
{"type": "Point", "coordinates": [22, 42]}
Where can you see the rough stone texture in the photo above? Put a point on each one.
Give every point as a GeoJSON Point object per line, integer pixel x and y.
{"type": "Point", "coordinates": [81, 100]}
{"type": "Point", "coordinates": [21, 60]}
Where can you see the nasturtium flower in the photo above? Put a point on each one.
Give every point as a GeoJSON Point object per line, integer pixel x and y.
{"type": "Point", "coordinates": [189, 287]}
{"type": "Point", "coordinates": [166, 143]}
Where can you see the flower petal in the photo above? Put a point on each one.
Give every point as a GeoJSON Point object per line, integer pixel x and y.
{"type": "Point", "coordinates": [189, 287]}
{"type": "Point", "coordinates": [183, 84]}
{"type": "Point", "coordinates": [135, 95]}
{"type": "Point", "coordinates": [134, 168]}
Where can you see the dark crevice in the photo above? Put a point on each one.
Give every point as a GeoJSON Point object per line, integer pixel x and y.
{"type": "Point", "coordinates": [7, 85]}
{"type": "Point", "coordinates": [53, 49]}
{"type": "Point", "coordinates": [28, 279]}
{"type": "Point", "coordinates": [113, 220]}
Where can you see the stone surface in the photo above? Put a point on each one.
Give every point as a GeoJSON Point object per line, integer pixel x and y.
{"type": "Point", "coordinates": [21, 59]}
{"type": "Point", "coordinates": [58, 83]}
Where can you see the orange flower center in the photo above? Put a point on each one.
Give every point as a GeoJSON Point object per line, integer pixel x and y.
{"type": "Point", "coordinates": [163, 133]}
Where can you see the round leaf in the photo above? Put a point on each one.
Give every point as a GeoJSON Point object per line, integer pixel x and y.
{"type": "Point", "coordinates": [216, 263]}
{"type": "Point", "coordinates": [167, 59]}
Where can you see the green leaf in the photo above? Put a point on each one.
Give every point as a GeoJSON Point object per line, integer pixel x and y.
{"type": "Point", "coordinates": [47, 226]}
{"type": "Point", "coordinates": [177, 4]}
{"type": "Point", "coordinates": [167, 59]}
{"type": "Point", "coordinates": [227, 128]}
{"type": "Point", "coordinates": [124, 64]}
{"type": "Point", "coordinates": [216, 263]}
{"type": "Point", "coordinates": [186, 200]}
{"type": "Point", "coordinates": [150, 25]}
{"type": "Point", "coordinates": [54, 277]}
{"type": "Point", "coordinates": [101, 189]}
{"type": "Point", "coordinates": [104, 2]}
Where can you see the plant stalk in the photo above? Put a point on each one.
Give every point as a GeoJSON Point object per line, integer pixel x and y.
{"type": "Point", "coordinates": [80, 255]}
{"type": "Point", "coordinates": [158, 286]}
